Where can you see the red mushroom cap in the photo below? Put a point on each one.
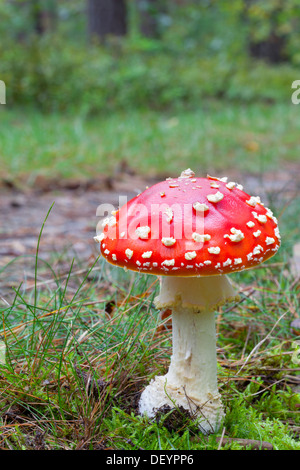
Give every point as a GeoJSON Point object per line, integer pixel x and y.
{"type": "Point", "coordinates": [190, 226]}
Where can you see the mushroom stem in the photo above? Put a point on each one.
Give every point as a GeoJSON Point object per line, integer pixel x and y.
{"type": "Point", "coordinates": [194, 361]}
{"type": "Point", "coordinates": [191, 381]}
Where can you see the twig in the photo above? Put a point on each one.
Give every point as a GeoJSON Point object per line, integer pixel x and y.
{"type": "Point", "coordinates": [259, 445]}
{"type": "Point", "coordinates": [221, 439]}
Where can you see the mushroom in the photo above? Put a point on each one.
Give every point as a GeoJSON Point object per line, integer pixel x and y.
{"type": "Point", "coordinates": [191, 232]}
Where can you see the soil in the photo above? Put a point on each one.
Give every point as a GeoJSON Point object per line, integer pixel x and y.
{"type": "Point", "coordinates": [71, 223]}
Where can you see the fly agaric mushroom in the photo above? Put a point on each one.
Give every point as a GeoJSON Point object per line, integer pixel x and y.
{"type": "Point", "coordinates": [191, 232]}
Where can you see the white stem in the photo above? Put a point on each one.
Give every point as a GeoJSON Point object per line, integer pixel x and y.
{"type": "Point", "coordinates": [191, 381]}
{"type": "Point", "coordinates": [194, 361]}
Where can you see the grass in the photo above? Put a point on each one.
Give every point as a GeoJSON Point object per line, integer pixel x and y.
{"type": "Point", "coordinates": [80, 348]}
{"type": "Point", "coordinates": [54, 145]}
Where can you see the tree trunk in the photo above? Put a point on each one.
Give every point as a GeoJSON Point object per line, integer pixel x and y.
{"type": "Point", "coordinates": [272, 47]}
{"type": "Point", "coordinates": [149, 11]}
{"type": "Point", "coordinates": [106, 17]}
{"type": "Point", "coordinates": [43, 15]}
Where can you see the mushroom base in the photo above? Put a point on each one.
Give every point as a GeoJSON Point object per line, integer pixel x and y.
{"type": "Point", "coordinates": [207, 413]}
{"type": "Point", "coordinates": [191, 381]}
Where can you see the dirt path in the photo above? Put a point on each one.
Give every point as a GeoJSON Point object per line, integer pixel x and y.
{"type": "Point", "coordinates": [71, 224]}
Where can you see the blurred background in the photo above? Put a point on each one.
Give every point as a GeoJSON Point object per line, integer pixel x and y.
{"type": "Point", "coordinates": [105, 96]}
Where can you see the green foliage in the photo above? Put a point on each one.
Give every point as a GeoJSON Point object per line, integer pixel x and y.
{"type": "Point", "coordinates": [209, 59]}
{"type": "Point", "coordinates": [57, 76]}
{"type": "Point", "coordinates": [232, 27]}
{"type": "Point", "coordinates": [275, 18]}
{"type": "Point", "coordinates": [247, 422]}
